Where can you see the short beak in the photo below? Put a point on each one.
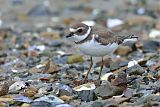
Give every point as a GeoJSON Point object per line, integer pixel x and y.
{"type": "Point", "coordinates": [69, 35]}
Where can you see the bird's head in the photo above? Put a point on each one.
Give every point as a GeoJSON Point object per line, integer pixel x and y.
{"type": "Point", "coordinates": [78, 32]}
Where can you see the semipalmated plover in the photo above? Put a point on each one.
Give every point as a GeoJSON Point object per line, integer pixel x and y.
{"type": "Point", "coordinates": [96, 42]}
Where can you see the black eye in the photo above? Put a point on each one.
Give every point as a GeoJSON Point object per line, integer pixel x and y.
{"type": "Point", "coordinates": [80, 30]}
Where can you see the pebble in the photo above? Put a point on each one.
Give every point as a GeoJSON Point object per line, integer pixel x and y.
{"type": "Point", "coordinates": [4, 88]}
{"type": "Point", "coordinates": [30, 92]}
{"type": "Point", "coordinates": [135, 70]}
{"type": "Point", "coordinates": [75, 59]}
{"type": "Point", "coordinates": [106, 90]}
{"type": "Point", "coordinates": [50, 99]}
{"type": "Point", "coordinates": [123, 50]}
{"type": "Point", "coordinates": [15, 87]}
{"type": "Point", "coordinates": [151, 46]}
{"type": "Point", "coordinates": [41, 104]}
{"type": "Point", "coordinates": [64, 90]}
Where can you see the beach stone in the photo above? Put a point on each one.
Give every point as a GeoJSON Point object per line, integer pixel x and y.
{"type": "Point", "coordinates": [123, 50]}
{"type": "Point", "coordinates": [151, 46]}
{"type": "Point", "coordinates": [107, 90]}
{"type": "Point", "coordinates": [41, 104]}
{"type": "Point", "coordinates": [75, 59]}
{"type": "Point", "coordinates": [87, 95]}
{"type": "Point", "coordinates": [135, 70]}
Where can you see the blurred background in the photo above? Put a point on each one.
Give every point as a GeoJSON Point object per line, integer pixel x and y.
{"type": "Point", "coordinates": [35, 55]}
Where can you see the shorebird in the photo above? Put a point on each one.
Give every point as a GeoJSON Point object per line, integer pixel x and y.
{"type": "Point", "coordinates": [96, 41]}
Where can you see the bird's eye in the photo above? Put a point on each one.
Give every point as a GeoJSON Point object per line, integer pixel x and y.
{"type": "Point", "coordinates": [79, 30]}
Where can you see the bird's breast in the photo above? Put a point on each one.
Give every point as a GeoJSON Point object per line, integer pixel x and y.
{"type": "Point", "coordinates": [93, 48]}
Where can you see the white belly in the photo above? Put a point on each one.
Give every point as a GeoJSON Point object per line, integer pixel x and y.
{"type": "Point", "coordinates": [93, 48]}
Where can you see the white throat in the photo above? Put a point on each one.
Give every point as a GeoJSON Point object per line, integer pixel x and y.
{"type": "Point", "coordinates": [78, 38]}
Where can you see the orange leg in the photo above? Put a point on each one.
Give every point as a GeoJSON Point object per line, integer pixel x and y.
{"type": "Point", "coordinates": [91, 64]}
{"type": "Point", "coordinates": [101, 69]}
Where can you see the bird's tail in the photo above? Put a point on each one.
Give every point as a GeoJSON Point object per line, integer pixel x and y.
{"type": "Point", "coordinates": [130, 38]}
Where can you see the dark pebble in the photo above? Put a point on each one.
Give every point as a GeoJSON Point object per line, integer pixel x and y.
{"type": "Point", "coordinates": [151, 46]}
{"type": "Point", "coordinates": [41, 104]}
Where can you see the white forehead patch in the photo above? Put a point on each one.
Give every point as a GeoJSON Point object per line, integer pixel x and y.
{"type": "Point", "coordinates": [72, 30]}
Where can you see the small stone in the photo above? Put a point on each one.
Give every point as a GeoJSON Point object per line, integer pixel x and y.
{"type": "Point", "coordinates": [154, 33]}
{"type": "Point", "coordinates": [50, 67]}
{"type": "Point", "coordinates": [41, 104]}
{"type": "Point", "coordinates": [64, 90]}
{"type": "Point", "coordinates": [107, 76]}
{"type": "Point", "coordinates": [87, 95]}
{"type": "Point", "coordinates": [26, 105]}
{"type": "Point", "coordinates": [17, 86]}
{"type": "Point", "coordinates": [75, 59]}
{"type": "Point", "coordinates": [114, 66]}
{"type": "Point", "coordinates": [151, 46]}
{"type": "Point", "coordinates": [151, 62]}
{"type": "Point", "coordinates": [114, 22]}
{"type": "Point", "coordinates": [50, 99]}
{"type": "Point", "coordinates": [30, 92]}
{"type": "Point", "coordinates": [42, 91]}
{"type": "Point", "coordinates": [107, 90]}
{"type": "Point", "coordinates": [97, 104]}
{"type": "Point", "coordinates": [136, 20]}
{"type": "Point", "coordinates": [63, 105]}
{"type": "Point", "coordinates": [135, 70]}
{"type": "Point", "coordinates": [4, 89]}
{"type": "Point", "coordinates": [132, 63]}
{"type": "Point", "coordinates": [51, 35]}
{"type": "Point", "coordinates": [123, 50]}
{"type": "Point", "coordinates": [66, 98]}
{"type": "Point", "coordinates": [122, 64]}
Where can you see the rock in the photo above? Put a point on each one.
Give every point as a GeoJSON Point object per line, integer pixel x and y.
{"type": "Point", "coordinates": [154, 33]}
{"type": "Point", "coordinates": [119, 80]}
{"type": "Point", "coordinates": [122, 64]}
{"type": "Point", "coordinates": [22, 98]}
{"type": "Point", "coordinates": [63, 105]}
{"type": "Point", "coordinates": [145, 98]}
{"type": "Point", "coordinates": [136, 20]}
{"type": "Point", "coordinates": [30, 92]}
{"type": "Point", "coordinates": [97, 104]}
{"type": "Point", "coordinates": [15, 87]}
{"type": "Point", "coordinates": [132, 63]}
{"type": "Point", "coordinates": [41, 104]}
{"type": "Point", "coordinates": [107, 76]}
{"type": "Point", "coordinates": [87, 95]}
{"type": "Point", "coordinates": [135, 70]}
{"type": "Point", "coordinates": [107, 90]}
{"type": "Point", "coordinates": [51, 99]}
{"type": "Point", "coordinates": [51, 35]}
{"type": "Point", "coordinates": [42, 91]}
{"type": "Point", "coordinates": [114, 66]}
{"type": "Point", "coordinates": [75, 59]}
{"type": "Point", "coordinates": [50, 67]}
{"type": "Point", "coordinates": [26, 105]}
{"type": "Point", "coordinates": [64, 90]}
{"type": "Point", "coordinates": [151, 46]}
{"type": "Point", "coordinates": [66, 98]}
{"type": "Point", "coordinates": [86, 92]}
{"type": "Point", "coordinates": [4, 89]}
{"type": "Point", "coordinates": [114, 22]}
{"type": "Point", "coordinates": [151, 62]}
{"type": "Point", "coordinates": [123, 50]}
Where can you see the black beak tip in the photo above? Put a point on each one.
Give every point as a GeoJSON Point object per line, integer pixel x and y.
{"type": "Point", "coordinates": [69, 35]}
